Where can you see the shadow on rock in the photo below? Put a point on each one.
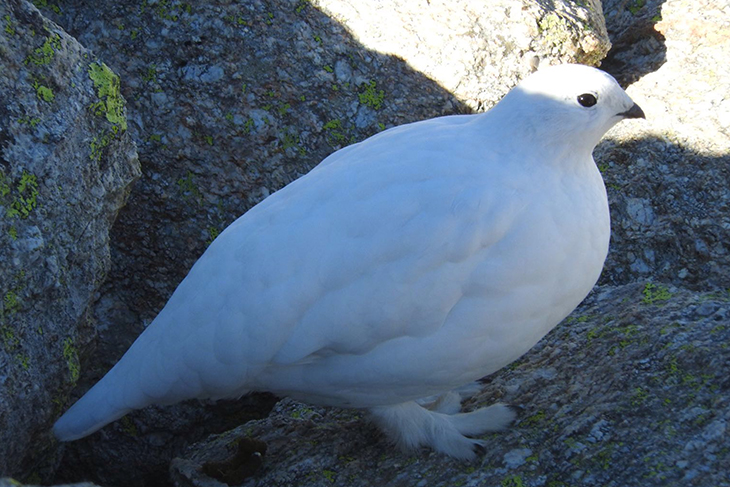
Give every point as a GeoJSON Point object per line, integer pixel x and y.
{"type": "Point", "coordinates": [670, 212]}
{"type": "Point", "coordinates": [637, 47]}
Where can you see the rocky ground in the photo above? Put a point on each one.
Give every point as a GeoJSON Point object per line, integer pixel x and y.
{"type": "Point", "coordinates": [630, 390]}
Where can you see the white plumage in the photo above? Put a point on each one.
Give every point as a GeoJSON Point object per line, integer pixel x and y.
{"type": "Point", "coordinates": [404, 266]}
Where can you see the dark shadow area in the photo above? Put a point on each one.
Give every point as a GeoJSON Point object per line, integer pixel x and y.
{"type": "Point", "coordinates": [637, 47]}
{"type": "Point", "coordinates": [670, 213]}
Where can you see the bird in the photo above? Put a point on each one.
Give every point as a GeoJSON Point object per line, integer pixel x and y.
{"type": "Point", "coordinates": [400, 268]}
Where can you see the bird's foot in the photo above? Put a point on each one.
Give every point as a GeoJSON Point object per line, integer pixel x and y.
{"type": "Point", "coordinates": [411, 426]}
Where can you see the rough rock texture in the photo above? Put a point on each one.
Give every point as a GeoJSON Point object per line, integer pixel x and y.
{"type": "Point", "coordinates": [477, 50]}
{"type": "Point", "coordinates": [66, 163]}
{"type": "Point", "coordinates": [232, 100]}
{"type": "Point", "coordinates": [637, 47]}
{"type": "Point", "coordinates": [616, 396]}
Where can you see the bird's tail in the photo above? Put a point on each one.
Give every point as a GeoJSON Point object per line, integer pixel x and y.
{"type": "Point", "coordinates": [117, 393]}
{"type": "Point", "coordinates": [163, 366]}
{"type": "Point", "coordinates": [97, 408]}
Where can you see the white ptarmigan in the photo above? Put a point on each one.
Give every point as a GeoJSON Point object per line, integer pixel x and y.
{"type": "Point", "coordinates": [404, 266]}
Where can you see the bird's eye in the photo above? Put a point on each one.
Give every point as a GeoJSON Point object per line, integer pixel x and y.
{"type": "Point", "coordinates": [587, 100]}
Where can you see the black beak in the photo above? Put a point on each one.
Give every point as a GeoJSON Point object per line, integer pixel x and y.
{"type": "Point", "coordinates": [633, 112]}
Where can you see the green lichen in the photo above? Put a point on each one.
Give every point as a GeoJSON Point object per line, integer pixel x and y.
{"type": "Point", "coordinates": [29, 121]}
{"type": "Point", "coordinates": [290, 139]}
{"type": "Point", "coordinates": [372, 97]}
{"type": "Point", "coordinates": [335, 133]}
{"type": "Point", "coordinates": [301, 6]}
{"type": "Point", "coordinates": [107, 89]}
{"type": "Point", "coordinates": [4, 186]}
{"type": "Point", "coordinates": [301, 413]}
{"type": "Point", "coordinates": [213, 233]}
{"type": "Point", "coordinates": [238, 20]}
{"type": "Point", "coordinates": [604, 456]}
{"type": "Point", "coordinates": [9, 29]}
{"type": "Point", "coordinates": [578, 319]}
{"type": "Point", "coordinates": [10, 303]}
{"type": "Point", "coordinates": [25, 197]}
{"type": "Point", "coordinates": [167, 10]}
{"type": "Point", "coordinates": [23, 360]}
{"type": "Point", "coordinates": [534, 420]}
{"type": "Point", "coordinates": [636, 5]}
{"type": "Point", "coordinates": [43, 92]}
{"type": "Point", "coordinates": [70, 354]}
{"type": "Point", "coordinates": [654, 293]}
{"type": "Point", "coordinates": [329, 475]}
{"type": "Point", "coordinates": [9, 339]}
{"type": "Point", "coordinates": [512, 481]}
{"type": "Point", "coordinates": [627, 336]}
{"type": "Point", "coordinates": [150, 75]}
{"type": "Point", "coordinates": [44, 55]}
{"type": "Point", "coordinates": [555, 29]}
{"type": "Point", "coordinates": [639, 396]}
{"type": "Point", "coordinates": [284, 109]}
{"type": "Point", "coordinates": [189, 188]}
{"type": "Point", "coordinates": [39, 4]}
{"type": "Point", "coordinates": [97, 145]}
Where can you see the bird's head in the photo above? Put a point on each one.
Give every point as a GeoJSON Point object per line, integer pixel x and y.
{"type": "Point", "coordinates": [570, 103]}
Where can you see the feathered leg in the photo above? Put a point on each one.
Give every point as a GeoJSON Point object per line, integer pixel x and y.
{"type": "Point", "coordinates": [411, 426]}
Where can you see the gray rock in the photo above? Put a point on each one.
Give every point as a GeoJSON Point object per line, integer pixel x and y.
{"type": "Point", "coordinates": [517, 457]}
{"type": "Point", "coordinates": [66, 165]}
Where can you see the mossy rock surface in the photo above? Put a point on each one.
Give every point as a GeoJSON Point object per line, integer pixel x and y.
{"type": "Point", "coordinates": [57, 203]}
